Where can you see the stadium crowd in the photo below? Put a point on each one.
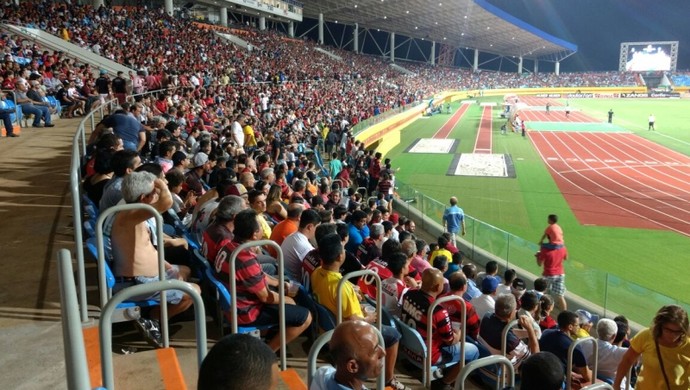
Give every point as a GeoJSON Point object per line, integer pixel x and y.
{"type": "Point", "coordinates": [228, 150]}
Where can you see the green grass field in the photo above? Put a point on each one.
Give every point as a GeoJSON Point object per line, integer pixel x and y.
{"type": "Point", "coordinates": [609, 265]}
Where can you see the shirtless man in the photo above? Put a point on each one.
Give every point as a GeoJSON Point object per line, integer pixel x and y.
{"type": "Point", "coordinates": [135, 257]}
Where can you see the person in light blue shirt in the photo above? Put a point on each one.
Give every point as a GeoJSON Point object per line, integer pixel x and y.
{"type": "Point", "coordinates": [454, 219]}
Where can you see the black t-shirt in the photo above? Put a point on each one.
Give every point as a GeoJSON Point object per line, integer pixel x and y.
{"type": "Point", "coordinates": [102, 85]}
{"type": "Point", "coordinates": [119, 85]}
{"type": "Point", "coordinates": [61, 96]}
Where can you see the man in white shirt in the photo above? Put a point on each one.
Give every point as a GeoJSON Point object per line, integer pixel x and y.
{"type": "Point", "coordinates": [237, 132]}
{"type": "Point", "coordinates": [484, 304]}
{"type": "Point", "coordinates": [610, 355]}
{"type": "Point", "coordinates": [297, 245]}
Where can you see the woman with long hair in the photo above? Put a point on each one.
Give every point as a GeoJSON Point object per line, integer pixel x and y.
{"type": "Point", "coordinates": [274, 203]}
{"type": "Point", "coordinates": [665, 351]}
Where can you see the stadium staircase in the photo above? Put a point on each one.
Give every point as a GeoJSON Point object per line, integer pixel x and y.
{"type": "Point", "coordinates": [328, 53]}
{"type": "Point", "coordinates": [51, 42]}
{"type": "Point", "coordinates": [236, 40]}
{"type": "Point", "coordinates": [403, 70]}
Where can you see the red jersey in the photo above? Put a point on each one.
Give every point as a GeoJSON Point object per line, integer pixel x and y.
{"type": "Point", "coordinates": [250, 280]}
{"type": "Point", "coordinates": [367, 283]}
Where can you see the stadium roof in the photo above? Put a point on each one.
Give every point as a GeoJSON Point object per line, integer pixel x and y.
{"type": "Point", "coordinates": [473, 24]}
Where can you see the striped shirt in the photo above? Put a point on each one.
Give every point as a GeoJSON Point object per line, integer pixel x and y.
{"type": "Point", "coordinates": [250, 281]}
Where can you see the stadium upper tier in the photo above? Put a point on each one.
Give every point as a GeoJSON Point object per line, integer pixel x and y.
{"type": "Point", "coordinates": [179, 52]}
{"type": "Point", "coordinates": [473, 24]}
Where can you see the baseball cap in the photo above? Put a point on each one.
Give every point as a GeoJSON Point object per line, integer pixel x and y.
{"type": "Point", "coordinates": [489, 285]}
{"type": "Point", "coordinates": [518, 285]}
{"type": "Point", "coordinates": [103, 71]}
{"type": "Point", "coordinates": [585, 316]}
{"type": "Point", "coordinates": [199, 159]}
{"type": "Point", "coordinates": [394, 218]}
{"type": "Point", "coordinates": [178, 157]}
{"type": "Point", "coordinates": [236, 189]}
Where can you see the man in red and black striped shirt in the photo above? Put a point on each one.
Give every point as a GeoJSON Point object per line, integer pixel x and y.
{"type": "Point", "coordinates": [445, 343]}
{"type": "Point", "coordinates": [257, 305]}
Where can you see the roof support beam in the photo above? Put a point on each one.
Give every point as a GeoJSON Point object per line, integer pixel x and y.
{"type": "Point", "coordinates": [392, 47]}
{"type": "Point", "coordinates": [433, 53]}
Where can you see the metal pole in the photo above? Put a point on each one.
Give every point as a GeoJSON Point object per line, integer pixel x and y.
{"type": "Point", "coordinates": [281, 292]}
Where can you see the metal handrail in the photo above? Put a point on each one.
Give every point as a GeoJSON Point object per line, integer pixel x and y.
{"type": "Point", "coordinates": [354, 274]}
{"type": "Point", "coordinates": [281, 292]}
{"type": "Point", "coordinates": [379, 324]}
{"type": "Point", "coordinates": [105, 293]}
{"type": "Point", "coordinates": [504, 345]}
{"type": "Point", "coordinates": [571, 350]}
{"type": "Point", "coordinates": [75, 185]}
{"type": "Point", "coordinates": [430, 333]}
{"type": "Point", "coordinates": [105, 327]}
{"type": "Point", "coordinates": [323, 340]}
{"type": "Point", "coordinates": [72, 336]}
{"type": "Point", "coordinates": [483, 362]}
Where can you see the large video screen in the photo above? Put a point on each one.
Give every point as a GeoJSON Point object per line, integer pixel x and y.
{"type": "Point", "coordinates": [648, 57]}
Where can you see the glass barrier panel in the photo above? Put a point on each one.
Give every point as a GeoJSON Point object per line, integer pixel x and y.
{"type": "Point", "coordinates": [521, 253]}
{"type": "Point", "coordinates": [490, 239]}
{"type": "Point", "coordinates": [587, 282]}
{"type": "Point", "coordinates": [638, 303]}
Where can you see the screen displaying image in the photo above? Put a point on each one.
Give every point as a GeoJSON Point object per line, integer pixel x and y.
{"type": "Point", "coordinates": [642, 58]}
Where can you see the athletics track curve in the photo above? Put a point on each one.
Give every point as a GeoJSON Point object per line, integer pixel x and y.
{"type": "Point", "coordinates": [619, 179]}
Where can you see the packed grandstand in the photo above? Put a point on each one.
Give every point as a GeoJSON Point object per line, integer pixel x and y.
{"type": "Point", "coordinates": [228, 130]}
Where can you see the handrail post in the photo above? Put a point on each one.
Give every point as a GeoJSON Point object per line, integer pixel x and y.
{"type": "Point", "coordinates": [105, 328]}
{"type": "Point", "coordinates": [379, 303]}
{"type": "Point", "coordinates": [75, 352]}
{"type": "Point", "coordinates": [504, 345]}
{"type": "Point", "coordinates": [571, 350]}
{"type": "Point", "coordinates": [281, 292]}
{"type": "Point", "coordinates": [483, 362]}
{"type": "Point", "coordinates": [429, 333]}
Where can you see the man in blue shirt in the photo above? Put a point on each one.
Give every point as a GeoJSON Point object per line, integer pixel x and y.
{"type": "Point", "coordinates": [454, 219]}
{"type": "Point", "coordinates": [558, 341]}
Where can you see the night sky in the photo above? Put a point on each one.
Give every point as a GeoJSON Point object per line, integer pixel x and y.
{"type": "Point", "coordinates": [598, 27]}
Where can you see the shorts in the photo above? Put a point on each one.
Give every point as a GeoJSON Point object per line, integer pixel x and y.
{"type": "Point", "coordinates": [269, 315]}
{"type": "Point", "coordinates": [556, 284]}
{"type": "Point", "coordinates": [171, 296]}
{"type": "Point", "coordinates": [451, 353]}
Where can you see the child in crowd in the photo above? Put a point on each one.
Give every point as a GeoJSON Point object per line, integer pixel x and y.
{"type": "Point", "coordinates": [441, 263]}
{"type": "Point", "coordinates": [540, 285]}
{"type": "Point", "coordinates": [586, 322]}
{"type": "Point", "coordinates": [508, 277]}
{"type": "Point", "coordinates": [546, 322]}
{"type": "Point", "coordinates": [454, 266]}
{"type": "Point", "coordinates": [393, 288]}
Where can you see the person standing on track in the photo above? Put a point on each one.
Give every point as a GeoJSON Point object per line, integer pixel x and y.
{"type": "Point", "coordinates": [548, 107]}
{"type": "Point", "coordinates": [551, 256]}
{"type": "Point", "coordinates": [611, 115]}
{"type": "Point", "coordinates": [567, 108]}
{"type": "Point", "coordinates": [652, 119]}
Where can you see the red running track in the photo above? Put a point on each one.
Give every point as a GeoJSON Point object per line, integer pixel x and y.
{"type": "Point", "coordinates": [556, 116]}
{"type": "Point", "coordinates": [539, 102]}
{"type": "Point", "coordinates": [619, 179]}
{"type": "Point", "coordinates": [484, 137]}
{"type": "Point", "coordinates": [447, 127]}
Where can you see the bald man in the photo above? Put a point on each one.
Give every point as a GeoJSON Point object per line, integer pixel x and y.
{"type": "Point", "coordinates": [357, 355]}
{"type": "Point", "coordinates": [454, 219]}
{"type": "Point", "coordinates": [445, 346]}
